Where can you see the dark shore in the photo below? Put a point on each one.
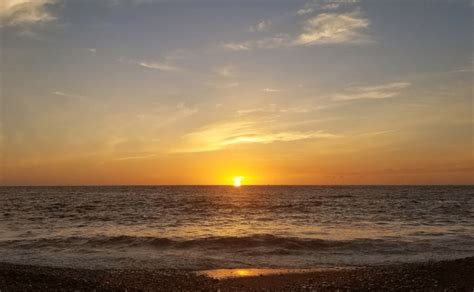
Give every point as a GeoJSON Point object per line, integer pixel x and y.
{"type": "Point", "coordinates": [456, 275]}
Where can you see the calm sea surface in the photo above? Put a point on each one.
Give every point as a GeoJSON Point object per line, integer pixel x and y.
{"type": "Point", "coordinates": [225, 227]}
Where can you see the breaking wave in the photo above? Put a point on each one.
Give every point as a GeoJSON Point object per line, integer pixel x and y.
{"type": "Point", "coordinates": [245, 243]}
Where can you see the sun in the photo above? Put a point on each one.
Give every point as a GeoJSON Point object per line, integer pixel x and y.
{"type": "Point", "coordinates": [238, 181]}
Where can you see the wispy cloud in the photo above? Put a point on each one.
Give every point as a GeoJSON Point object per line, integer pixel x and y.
{"type": "Point", "coordinates": [305, 10]}
{"type": "Point", "coordinates": [261, 26]}
{"type": "Point", "coordinates": [279, 40]}
{"type": "Point", "coordinates": [260, 125]}
{"type": "Point", "coordinates": [71, 95]}
{"type": "Point", "coordinates": [331, 6]}
{"type": "Point", "coordinates": [236, 46]}
{"type": "Point", "coordinates": [168, 62]}
{"type": "Point", "coordinates": [277, 137]}
{"type": "Point", "coordinates": [224, 134]}
{"type": "Point", "coordinates": [325, 28]}
{"type": "Point", "coordinates": [135, 157]}
{"type": "Point", "coordinates": [314, 5]}
{"type": "Point", "coordinates": [372, 92]}
{"type": "Point", "coordinates": [158, 66]}
{"type": "Point", "coordinates": [25, 12]}
{"type": "Point", "coordinates": [334, 28]}
{"type": "Point", "coordinates": [155, 65]}
{"type": "Point", "coordinates": [276, 41]}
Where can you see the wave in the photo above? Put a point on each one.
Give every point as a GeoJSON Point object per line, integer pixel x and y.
{"type": "Point", "coordinates": [279, 243]}
{"type": "Point", "coordinates": [230, 251]}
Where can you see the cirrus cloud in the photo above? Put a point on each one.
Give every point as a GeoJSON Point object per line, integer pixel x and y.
{"type": "Point", "coordinates": [224, 134]}
{"type": "Point", "coordinates": [155, 65]}
{"type": "Point", "coordinates": [325, 28]}
{"type": "Point", "coordinates": [334, 28]}
{"type": "Point", "coordinates": [25, 12]}
{"type": "Point", "coordinates": [372, 92]}
{"type": "Point", "coordinates": [158, 66]}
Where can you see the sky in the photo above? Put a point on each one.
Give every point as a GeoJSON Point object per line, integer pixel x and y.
{"type": "Point", "coordinates": [198, 92]}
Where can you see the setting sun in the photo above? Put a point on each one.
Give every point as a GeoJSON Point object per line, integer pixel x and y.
{"type": "Point", "coordinates": [238, 181]}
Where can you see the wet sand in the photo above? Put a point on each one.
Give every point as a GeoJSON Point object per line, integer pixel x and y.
{"type": "Point", "coordinates": [456, 275]}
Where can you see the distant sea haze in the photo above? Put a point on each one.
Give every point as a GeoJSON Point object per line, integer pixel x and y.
{"type": "Point", "coordinates": [207, 227]}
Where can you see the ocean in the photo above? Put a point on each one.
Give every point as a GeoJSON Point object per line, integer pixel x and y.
{"type": "Point", "coordinates": [215, 227]}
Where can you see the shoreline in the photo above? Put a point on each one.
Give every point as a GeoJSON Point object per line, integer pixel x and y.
{"type": "Point", "coordinates": [452, 275]}
{"type": "Point", "coordinates": [225, 274]}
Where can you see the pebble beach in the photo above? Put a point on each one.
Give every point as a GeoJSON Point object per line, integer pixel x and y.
{"type": "Point", "coordinates": [454, 275]}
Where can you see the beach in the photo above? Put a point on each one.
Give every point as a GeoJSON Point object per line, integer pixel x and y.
{"type": "Point", "coordinates": [453, 275]}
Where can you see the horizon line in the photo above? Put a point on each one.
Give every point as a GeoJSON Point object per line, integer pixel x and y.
{"type": "Point", "coordinates": [230, 185]}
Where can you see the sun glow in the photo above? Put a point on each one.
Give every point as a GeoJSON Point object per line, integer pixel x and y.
{"type": "Point", "coordinates": [238, 181]}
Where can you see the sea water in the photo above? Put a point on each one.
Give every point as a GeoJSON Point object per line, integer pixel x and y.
{"type": "Point", "coordinates": [218, 227]}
